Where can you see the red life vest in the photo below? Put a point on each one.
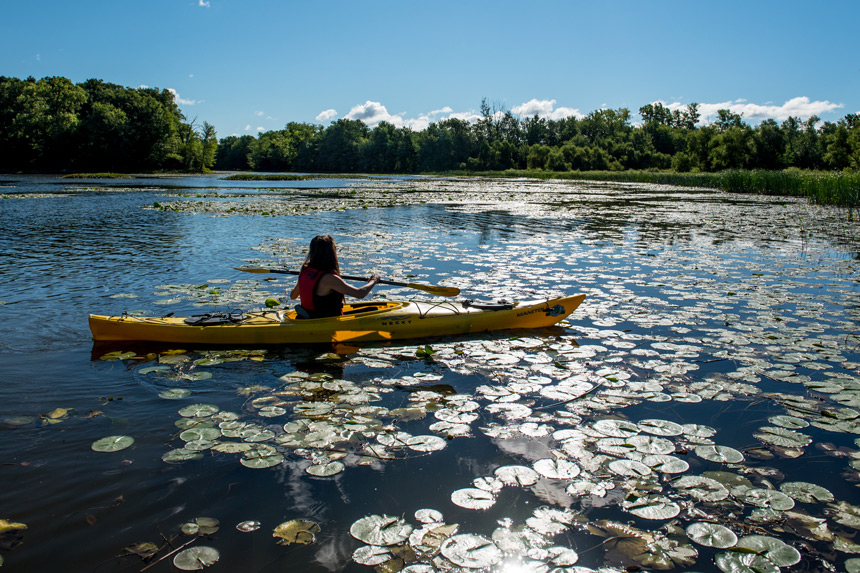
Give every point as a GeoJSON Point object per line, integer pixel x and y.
{"type": "Point", "coordinates": [316, 305]}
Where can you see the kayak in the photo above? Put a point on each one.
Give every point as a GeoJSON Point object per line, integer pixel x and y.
{"type": "Point", "coordinates": [365, 321]}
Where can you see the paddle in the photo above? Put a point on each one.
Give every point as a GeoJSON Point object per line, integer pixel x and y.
{"type": "Point", "coordinates": [432, 289]}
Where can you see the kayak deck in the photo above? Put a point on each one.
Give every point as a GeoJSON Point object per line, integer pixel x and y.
{"type": "Point", "coordinates": [366, 321]}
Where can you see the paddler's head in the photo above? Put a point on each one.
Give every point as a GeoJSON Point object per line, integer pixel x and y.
{"type": "Point", "coordinates": [322, 254]}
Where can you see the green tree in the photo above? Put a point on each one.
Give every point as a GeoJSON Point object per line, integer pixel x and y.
{"type": "Point", "coordinates": [555, 161]}
{"type": "Point", "coordinates": [727, 119]}
{"type": "Point", "coordinates": [733, 148]}
{"type": "Point", "coordinates": [838, 153]}
{"type": "Point", "coordinates": [339, 146]}
{"type": "Point", "coordinates": [538, 156]}
{"type": "Point", "coordinates": [232, 153]}
{"type": "Point", "coordinates": [769, 144]}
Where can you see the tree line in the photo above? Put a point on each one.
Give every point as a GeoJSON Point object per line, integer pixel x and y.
{"type": "Point", "coordinates": [55, 125]}
{"type": "Point", "coordinates": [605, 140]}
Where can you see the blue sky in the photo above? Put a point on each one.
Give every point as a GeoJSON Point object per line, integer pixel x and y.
{"type": "Point", "coordinates": [253, 65]}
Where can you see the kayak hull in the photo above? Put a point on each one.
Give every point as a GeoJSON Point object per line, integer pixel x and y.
{"type": "Point", "coordinates": [371, 321]}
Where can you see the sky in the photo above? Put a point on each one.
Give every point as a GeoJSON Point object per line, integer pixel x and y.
{"type": "Point", "coordinates": [248, 66]}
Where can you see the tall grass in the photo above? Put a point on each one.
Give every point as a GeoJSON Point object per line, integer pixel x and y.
{"type": "Point", "coordinates": [827, 188]}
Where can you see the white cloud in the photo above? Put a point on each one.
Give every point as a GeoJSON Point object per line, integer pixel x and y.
{"type": "Point", "coordinates": [248, 127]}
{"type": "Point", "coordinates": [179, 100]}
{"type": "Point", "coordinates": [38, 57]}
{"type": "Point", "coordinates": [203, 4]}
{"type": "Point", "coordinates": [546, 109]}
{"type": "Point", "coordinates": [261, 129]}
{"type": "Point", "coordinates": [326, 115]}
{"type": "Point", "coordinates": [800, 107]}
{"type": "Point", "coordinates": [372, 113]}
{"type": "Point", "coordinates": [258, 113]}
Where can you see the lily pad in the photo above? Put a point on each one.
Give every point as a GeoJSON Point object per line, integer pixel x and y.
{"type": "Point", "coordinates": [380, 530]}
{"type": "Point", "coordinates": [198, 411]}
{"type": "Point", "coordinates": [429, 516]}
{"type": "Point", "coordinates": [144, 549]}
{"type": "Point", "coordinates": [181, 455]}
{"type": "Point", "coordinates": [661, 427]}
{"type": "Point", "coordinates": [768, 498]}
{"type": "Point", "coordinates": [325, 470]}
{"type": "Point", "coordinates": [174, 393]}
{"type": "Point", "coordinates": [666, 464]}
{"type": "Point", "coordinates": [471, 551]}
{"type": "Point", "coordinates": [557, 469]}
{"type": "Point", "coordinates": [112, 443]}
{"type": "Point", "coordinates": [652, 507]}
{"type": "Point", "coordinates": [735, 562]}
{"type": "Point", "coordinates": [701, 488]}
{"type": "Point", "coordinates": [200, 433]}
{"type": "Point", "coordinates": [272, 411]}
{"type": "Point", "coordinates": [426, 443]}
{"type": "Point", "coordinates": [300, 531]}
{"type": "Point", "coordinates": [651, 444]}
{"type": "Point", "coordinates": [616, 428]}
{"type": "Point", "coordinates": [774, 550]}
{"type": "Point", "coordinates": [201, 526]}
{"type": "Point", "coordinates": [629, 468]}
{"type": "Point", "coordinates": [517, 475]}
{"type": "Point", "coordinates": [248, 526]}
{"type": "Point", "coordinates": [782, 437]}
{"type": "Point", "coordinates": [806, 492]}
{"type": "Point", "coordinates": [711, 534]}
{"type": "Point", "coordinates": [720, 454]}
{"type": "Point", "coordinates": [195, 558]}
{"type": "Point", "coordinates": [6, 526]}
{"type": "Point", "coordinates": [258, 460]}
{"type": "Point", "coordinates": [789, 422]}
{"type": "Point", "coordinates": [473, 498]}
{"type": "Point", "coordinates": [372, 555]}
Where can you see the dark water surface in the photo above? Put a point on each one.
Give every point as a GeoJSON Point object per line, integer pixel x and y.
{"type": "Point", "coordinates": [703, 308]}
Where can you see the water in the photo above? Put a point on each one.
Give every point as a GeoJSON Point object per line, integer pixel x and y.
{"type": "Point", "coordinates": [702, 308]}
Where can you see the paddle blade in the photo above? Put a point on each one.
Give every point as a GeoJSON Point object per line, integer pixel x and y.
{"type": "Point", "coordinates": [252, 270]}
{"type": "Point", "coordinates": [437, 290]}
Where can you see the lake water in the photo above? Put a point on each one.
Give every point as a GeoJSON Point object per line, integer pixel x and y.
{"type": "Point", "coordinates": [712, 376]}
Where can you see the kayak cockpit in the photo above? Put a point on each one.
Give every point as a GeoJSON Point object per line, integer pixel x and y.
{"type": "Point", "coordinates": [350, 310]}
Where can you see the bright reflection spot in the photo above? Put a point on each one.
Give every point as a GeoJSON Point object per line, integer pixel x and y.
{"type": "Point", "coordinates": [516, 565]}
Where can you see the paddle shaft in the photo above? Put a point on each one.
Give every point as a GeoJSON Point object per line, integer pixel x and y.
{"type": "Point", "coordinates": [438, 290]}
{"type": "Point", "coordinates": [365, 279]}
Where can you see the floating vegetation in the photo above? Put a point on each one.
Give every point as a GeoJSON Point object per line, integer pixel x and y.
{"type": "Point", "coordinates": [97, 176]}
{"type": "Point", "coordinates": [275, 177]}
{"type": "Point", "coordinates": [298, 531]}
{"type": "Point", "coordinates": [112, 443]}
{"type": "Point", "coordinates": [195, 558]}
{"type": "Point", "coordinates": [201, 526]}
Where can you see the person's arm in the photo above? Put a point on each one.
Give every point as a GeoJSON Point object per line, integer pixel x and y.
{"type": "Point", "coordinates": [295, 292]}
{"type": "Point", "coordinates": [332, 282]}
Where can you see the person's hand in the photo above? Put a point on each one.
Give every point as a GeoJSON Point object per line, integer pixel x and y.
{"type": "Point", "coordinates": [374, 278]}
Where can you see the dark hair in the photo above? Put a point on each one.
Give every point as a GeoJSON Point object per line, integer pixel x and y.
{"type": "Point", "coordinates": [322, 254]}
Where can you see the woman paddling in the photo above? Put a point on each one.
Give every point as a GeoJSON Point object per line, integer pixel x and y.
{"type": "Point", "coordinates": [320, 286]}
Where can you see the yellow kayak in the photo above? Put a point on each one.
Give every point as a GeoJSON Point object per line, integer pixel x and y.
{"type": "Point", "coordinates": [366, 321]}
